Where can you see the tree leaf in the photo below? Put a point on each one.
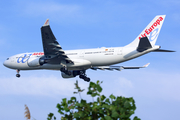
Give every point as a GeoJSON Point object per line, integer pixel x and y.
{"type": "Point", "coordinates": [99, 88]}
{"type": "Point", "coordinates": [97, 82]}
{"type": "Point", "coordinates": [94, 94]}
{"type": "Point", "coordinates": [119, 107]}
{"type": "Point", "coordinates": [89, 92]}
{"type": "Point", "coordinates": [108, 118]}
{"type": "Point", "coordinates": [103, 97]}
{"type": "Point", "coordinates": [76, 115]}
{"type": "Point", "coordinates": [136, 118]}
{"type": "Point", "coordinates": [107, 100]}
{"type": "Point", "coordinates": [50, 115]}
{"type": "Point", "coordinates": [83, 102]}
{"type": "Point", "coordinates": [98, 100]}
{"type": "Point", "coordinates": [126, 104]}
{"type": "Point", "coordinates": [112, 96]}
{"type": "Point", "coordinates": [114, 114]}
{"type": "Point", "coordinates": [73, 99]}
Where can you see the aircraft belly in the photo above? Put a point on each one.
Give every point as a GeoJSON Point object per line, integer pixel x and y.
{"type": "Point", "coordinates": [79, 64]}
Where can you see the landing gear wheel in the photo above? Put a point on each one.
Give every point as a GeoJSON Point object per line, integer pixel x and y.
{"type": "Point", "coordinates": [18, 75]}
{"type": "Point", "coordinates": [87, 79]}
{"type": "Point", "coordinates": [84, 78]}
{"type": "Point", "coordinates": [81, 76]}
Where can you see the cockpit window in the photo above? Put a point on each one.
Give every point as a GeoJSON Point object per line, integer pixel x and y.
{"type": "Point", "coordinates": [7, 59]}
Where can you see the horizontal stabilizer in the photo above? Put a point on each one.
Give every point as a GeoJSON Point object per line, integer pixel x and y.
{"type": "Point", "coordinates": [161, 50]}
{"type": "Point", "coordinates": [144, 44]}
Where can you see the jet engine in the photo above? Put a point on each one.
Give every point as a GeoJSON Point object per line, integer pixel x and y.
{"type": "Point", "coordinates": [74, 73]}
{"type": "Point", "coordinates": [35, 62]}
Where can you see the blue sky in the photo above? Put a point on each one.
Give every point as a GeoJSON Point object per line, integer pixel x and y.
{"type": "Point", "coordinates": [81, 24]}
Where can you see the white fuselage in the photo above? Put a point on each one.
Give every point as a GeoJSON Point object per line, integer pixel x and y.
{"type": "Point", "coordinates": [72, 63]}
{"type": "Point", "coordinates": [82, 59]}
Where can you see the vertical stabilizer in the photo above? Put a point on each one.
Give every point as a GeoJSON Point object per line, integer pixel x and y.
{"type": "Point", "coordinates": [151, 31]}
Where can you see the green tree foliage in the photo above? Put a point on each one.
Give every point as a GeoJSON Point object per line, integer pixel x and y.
{"type": "Point", "coordinates": [104, 108]}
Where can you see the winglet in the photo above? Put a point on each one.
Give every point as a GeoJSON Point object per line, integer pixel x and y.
{"type": "Point", "coordinates": [46, 23]}
{"type": "Point", "coordinates": [146, 65]}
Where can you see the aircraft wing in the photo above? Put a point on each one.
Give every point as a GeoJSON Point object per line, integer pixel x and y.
{"type": "Point", "coordinates": [119, 68]}
{"type": "Point", "coordinates": [52, 50]}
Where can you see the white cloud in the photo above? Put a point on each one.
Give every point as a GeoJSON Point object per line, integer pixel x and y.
{"type": "Point", "coordinates": [143, 83]}
{"type": "Point", "coordinates": [116, 85]}
{"type": "Point", "coordinates": [124, 83]}
{"type": "Point", "coordinates": [121, 87]}
{"type": "Point", "coordinates": [44, 86]}
{"type": "Point", "coordinates": [157, 85]}
{"type": "Point", "coordinates": [150, 83]}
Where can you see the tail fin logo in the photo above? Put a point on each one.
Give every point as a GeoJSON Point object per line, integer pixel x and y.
{"type": "Point", "coordinates": [153, 34]}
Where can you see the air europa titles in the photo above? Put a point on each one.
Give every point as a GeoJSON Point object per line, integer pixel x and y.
{"type": "Point", "coordinates": [38, 53]}
{"type": "Point", "coordinates": [155, 24]}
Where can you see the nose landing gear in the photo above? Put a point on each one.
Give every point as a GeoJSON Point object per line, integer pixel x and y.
{"type": "Point", "coordinates": [18, 75]}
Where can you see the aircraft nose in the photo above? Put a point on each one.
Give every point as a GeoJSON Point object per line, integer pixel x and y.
{"type": "Point", "coordinates": [6, 63]}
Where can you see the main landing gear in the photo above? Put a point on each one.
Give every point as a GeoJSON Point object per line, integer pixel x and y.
{"type": "Point", "coordinates": [64, 70]}
{"type": "Point", "coordinates": [81, 73]}
{"type": "Point", "coordinates": [84, 76]}
{"type": "Point", "coordinates": [18, 75]}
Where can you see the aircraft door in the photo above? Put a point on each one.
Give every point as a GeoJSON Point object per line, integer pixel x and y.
{"type": "Point", "coordinates": [81, 54]}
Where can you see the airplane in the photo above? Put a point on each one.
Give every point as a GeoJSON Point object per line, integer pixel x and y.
{"type": "Point", "coordinates": [74, 63]}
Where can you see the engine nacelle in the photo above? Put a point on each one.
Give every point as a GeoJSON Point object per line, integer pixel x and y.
{"type": "Point", "coordinates": [35, 62]}
{"type": "Point", "coordinates": [73, 74]}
